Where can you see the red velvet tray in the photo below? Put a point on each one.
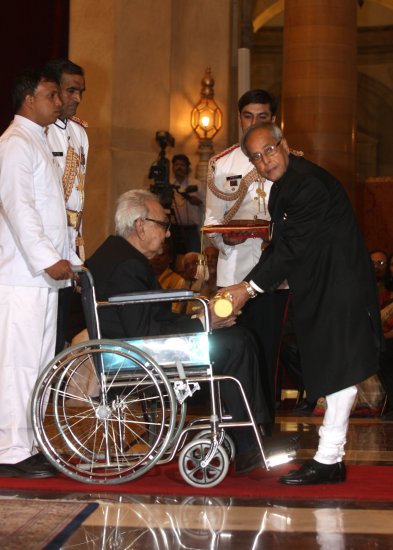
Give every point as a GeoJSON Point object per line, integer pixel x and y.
{"type": "Point", "coordinates": [242, 229]}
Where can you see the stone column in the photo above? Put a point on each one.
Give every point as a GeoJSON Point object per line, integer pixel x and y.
{"type": "Point", "coordinates": [143, 62]}
{"type": "Point", "coordinates": [319, 83]}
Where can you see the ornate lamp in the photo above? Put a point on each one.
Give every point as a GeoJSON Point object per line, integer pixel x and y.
{"type": "Point", "coordinates": [206, 121]}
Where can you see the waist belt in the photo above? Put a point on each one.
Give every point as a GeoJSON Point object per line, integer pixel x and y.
{"type": "Point", "coordinates": [74, 219]}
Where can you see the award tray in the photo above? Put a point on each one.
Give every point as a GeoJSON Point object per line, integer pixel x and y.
{"type": "Point", "coordinates": [241, 229]}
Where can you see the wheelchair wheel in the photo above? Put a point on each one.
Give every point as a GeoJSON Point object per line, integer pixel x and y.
{"type": "Point", "coordinates": [190, 467]}
{"type": "Point", "coordinates": [227, 443]}
{"type": "Point", "coordinates": [103, 412]}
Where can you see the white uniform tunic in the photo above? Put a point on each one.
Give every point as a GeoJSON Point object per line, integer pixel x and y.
{"type": "Point", "coordinates": [235, 262]}
{"type": "Point", "coordinates": [33, 236]}
{"type": "Point", "coordinates": [61, 135]}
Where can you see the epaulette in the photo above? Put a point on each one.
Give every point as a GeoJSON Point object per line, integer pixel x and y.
{"type": "Point", "coordinates": [79, 121]}
{"type": "Point", "coordinates": [226, 152]}
{"type": "Point", "coordinates": [296, 153]}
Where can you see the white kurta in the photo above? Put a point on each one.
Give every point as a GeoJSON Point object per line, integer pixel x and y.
{"type": "Point", "coordinates": [235, 262]}
{"type": "Point", "coordinates": [33, 236]}
{"type": "Point", "coordinates": [61, 135]}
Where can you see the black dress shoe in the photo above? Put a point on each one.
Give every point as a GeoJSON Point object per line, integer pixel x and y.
{"type": "Point", "coordinates": [304, 407]}
{"type": "Point", "coordinates": [36, 466]}
{"type": "Point", "coordinates": [248, 461]}
{"type": "Point", "coordinates": [313, 473]}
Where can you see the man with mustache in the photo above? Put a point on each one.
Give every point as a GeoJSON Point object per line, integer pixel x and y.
{"type": "Point", "coordinates": [69, 143]}
{"type": "Point", "coordinates": [35, 262]}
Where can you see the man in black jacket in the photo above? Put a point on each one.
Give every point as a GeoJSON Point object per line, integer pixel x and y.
{"type": "Point", "coordinates": [317, 247]}
{"type": "Point", "coordinates": [121, 265]}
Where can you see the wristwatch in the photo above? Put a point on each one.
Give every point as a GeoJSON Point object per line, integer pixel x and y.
{"type": "Point", "coordinates": [251, 291]}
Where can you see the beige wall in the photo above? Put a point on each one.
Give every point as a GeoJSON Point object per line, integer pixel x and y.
{"type": "Point", "coordinates": [143, 62]}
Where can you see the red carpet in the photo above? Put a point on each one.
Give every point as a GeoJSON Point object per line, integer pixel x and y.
{"type": "Point", "coordinates": [363, 483]}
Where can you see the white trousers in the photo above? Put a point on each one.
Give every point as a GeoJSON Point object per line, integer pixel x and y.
{"type": "Point", "coordinates": [333, 432]}
{"type": "Point", "coordinates": [27, 343]}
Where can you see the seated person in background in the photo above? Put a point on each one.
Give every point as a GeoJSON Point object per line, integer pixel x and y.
{"type": "Point", "coordinates": [384, 274]}
{"type": "Point", "coordinates": [389, 277]}
{"type": "Point", "coordinates": [193, 270]}
{"type": "Point", "coordinates": [121, 265]}
{"type": "Point", "coordinates": [379, 260]}
{"type": "Point", "coordinates": [195, 274]}
{"type": "Point", "coordinates": [209, 287]}
{"type": "Point", "coordinates": [161, 263]}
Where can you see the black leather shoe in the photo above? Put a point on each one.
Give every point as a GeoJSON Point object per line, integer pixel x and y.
{"type": "Point", "coordinates": [304, 407]}
{"type": "Point", "coordinates": [246, 462]}
{"type": "Point", "coordinates": [313, 473]}
{"type": "Point", "coordinates": [36, 466]}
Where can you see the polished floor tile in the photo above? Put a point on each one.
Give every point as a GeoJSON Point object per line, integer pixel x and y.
{"type": "Point", "coordinates": [124, 521]}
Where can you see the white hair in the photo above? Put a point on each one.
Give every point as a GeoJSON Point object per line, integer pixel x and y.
{"type": "Point", "coordinates": [272, 128]}
{"type": "Point", "coordinates": [130, 206]}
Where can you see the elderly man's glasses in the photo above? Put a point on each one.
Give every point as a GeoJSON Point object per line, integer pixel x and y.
{"type": "Point", "coordinates": [267, 152]}
{"type": "Point", "coordinates": [165, 225]}
{"type": "Point", "coordinates": [378, 262]}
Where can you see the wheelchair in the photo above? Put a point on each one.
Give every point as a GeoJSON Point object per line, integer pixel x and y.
{"type": "Point", "coordinates": [107, 411]}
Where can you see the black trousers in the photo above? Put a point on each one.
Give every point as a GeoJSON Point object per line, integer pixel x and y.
{"type": "Point", "coordinates": [70, 318]}
{"type": "Point", "coordinates": [264, 316]}
{"type": "Point", "coordinates": [63, 313]}
{"type": "Point", "coordinates": [234, 352]}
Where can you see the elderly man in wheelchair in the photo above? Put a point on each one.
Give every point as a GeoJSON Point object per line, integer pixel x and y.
{"type": "Point", "coordinates": [120, 268]}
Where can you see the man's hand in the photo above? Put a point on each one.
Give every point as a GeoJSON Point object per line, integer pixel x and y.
{"type": "Point", "coordinates": [60, 270]}
{"type": "Point", "coordinates": [239, 296]}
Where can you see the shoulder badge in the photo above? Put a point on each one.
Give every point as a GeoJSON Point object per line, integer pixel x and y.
{"type": "Point", "coordinates": [79, 121]}
{"type": "Point", "coordinates": [296, 153]}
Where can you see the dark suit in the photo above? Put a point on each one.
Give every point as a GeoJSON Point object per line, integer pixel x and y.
{"type": "Point", "coordinates": [117, 267]}
{"type": "Point", "coordinates": [317, 246]}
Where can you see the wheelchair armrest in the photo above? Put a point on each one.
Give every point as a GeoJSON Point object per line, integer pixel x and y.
{"type": "Point", "coordinates": [167, 294]}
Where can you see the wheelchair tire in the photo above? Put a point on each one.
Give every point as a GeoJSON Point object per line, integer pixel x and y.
{"type": "Point", "coordinates": [103, 412]}
{"type": "Point", "coordinates": [190, 467]}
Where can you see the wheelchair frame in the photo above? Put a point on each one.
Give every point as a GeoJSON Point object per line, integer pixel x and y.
{"type": "Point", "coordinates": [106, 411]}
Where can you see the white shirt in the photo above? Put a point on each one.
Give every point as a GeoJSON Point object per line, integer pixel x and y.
{"type": "Point", "coordinates": [60, 136]}
{"type": "Point", "coordinates": [33, 225]}
{"type": "Point", "coordinates": [185, 212]}
{"type": "Point", "coordinates": [235, 262]}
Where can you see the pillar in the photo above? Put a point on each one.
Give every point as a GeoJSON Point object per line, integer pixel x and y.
{"type": "Point", "coordinates": [319, 83]}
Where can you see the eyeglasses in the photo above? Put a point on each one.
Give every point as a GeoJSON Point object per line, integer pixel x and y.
{"type": "Point", "coordinates": [165, 225]}
{"type": "Point", "coordinates": [268, 151]}
{"type": "Point", "coordinates": [378, 262]}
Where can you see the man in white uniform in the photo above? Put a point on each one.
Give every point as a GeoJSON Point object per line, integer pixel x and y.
{"type": "Point", "coordinates": [235, 191]}
{"type": "Point", "coordinates": [35, 263]}
{"type": "Point", "coordinates": [188, 207]}
{"type": "Point", "coordinates": [69, 144]}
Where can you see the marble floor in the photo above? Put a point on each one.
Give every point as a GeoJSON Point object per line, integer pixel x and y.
{"type": "Point", "coordinates": [125, 521]}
